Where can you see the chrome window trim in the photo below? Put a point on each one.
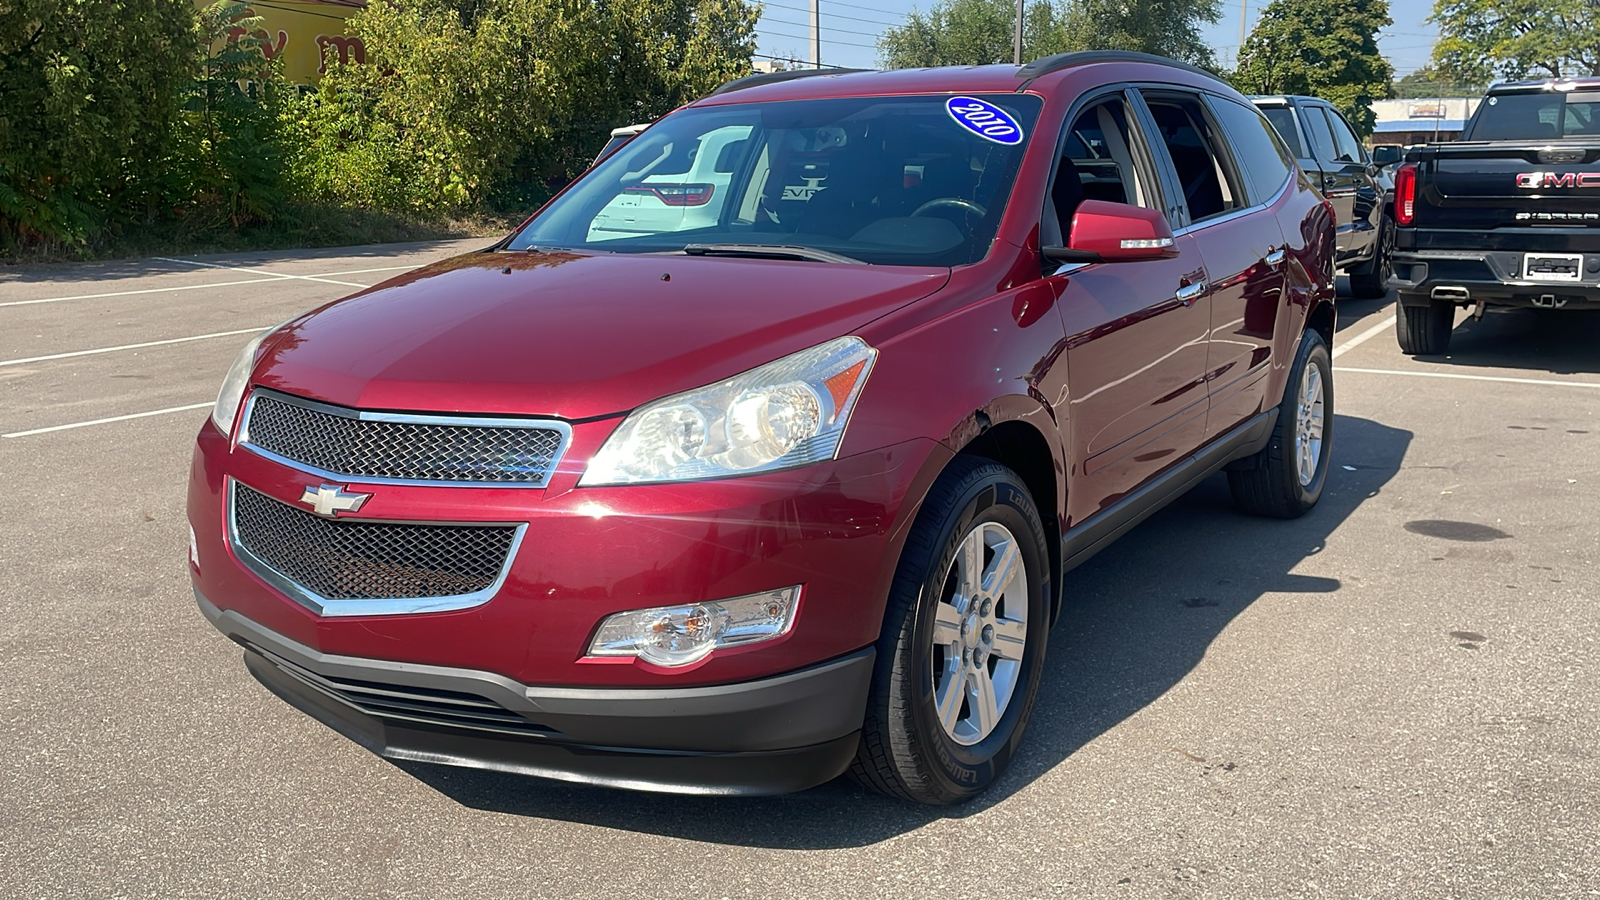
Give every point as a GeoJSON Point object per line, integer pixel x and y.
{"type": "Point", "coordinates": [556, 425]}
{"type": "Point", "coordinates": [379, 606]}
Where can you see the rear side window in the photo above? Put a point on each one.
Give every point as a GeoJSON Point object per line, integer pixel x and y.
{"type": "Point", "coordinates": [1186, 133]}
{"type": "Point", "coordinates": [1257, 153]}
{"type": "Point", "coordinates": [1321, 135]}
{"type": "Point", "coordinates": [1282, 119]}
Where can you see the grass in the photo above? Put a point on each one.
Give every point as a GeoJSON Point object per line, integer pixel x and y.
{"type": "Point", "coordinates": [297, 226]}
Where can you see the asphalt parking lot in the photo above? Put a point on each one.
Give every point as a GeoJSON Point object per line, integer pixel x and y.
{"type": "Point", "coordinates": [1396, 696]}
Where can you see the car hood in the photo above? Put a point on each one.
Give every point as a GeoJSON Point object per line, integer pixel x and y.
{"type": "Point", "coordinates": [570, 335]}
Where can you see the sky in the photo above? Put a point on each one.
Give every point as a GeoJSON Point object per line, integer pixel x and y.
{"type": "Point", "coordinates": [850, 30]}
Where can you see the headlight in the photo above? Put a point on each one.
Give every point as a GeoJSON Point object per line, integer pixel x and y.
{"type": "Point", "coordinates": [679, 635]}
{"type": "Point", "coordinates": [784, 414]}
{"type": "Point", "coordinates": [227, 408]}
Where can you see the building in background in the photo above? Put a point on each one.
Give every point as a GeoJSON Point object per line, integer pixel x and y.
{"type": "Point", "coordinates": [1421, 121]}
{"type": "Point", "coordinates": [299, 32]}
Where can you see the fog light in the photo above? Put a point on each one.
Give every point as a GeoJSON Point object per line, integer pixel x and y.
{"type": "Point", "coordinates": [679, 635]}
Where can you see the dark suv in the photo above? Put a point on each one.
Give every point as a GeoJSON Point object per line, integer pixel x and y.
{"type": "Point", "coordinates": [788, 486]}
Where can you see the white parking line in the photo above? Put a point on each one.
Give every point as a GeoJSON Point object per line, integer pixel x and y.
{"type": "Point", "coordinates": [1465, 377]}
{"type": "Point", "coordinates": [195, 262]}
{"type": "Point", "coordinates": [141, 415]}
{"type": "Point", "coordinates": [1363, 337]}
{"type": "Point", "coordinates": [197, 337]}
{"type": "Point", "coordinates": [275, 276]}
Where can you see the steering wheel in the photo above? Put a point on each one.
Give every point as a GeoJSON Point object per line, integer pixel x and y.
{"type": "Point", "coordinates": [957, 202]}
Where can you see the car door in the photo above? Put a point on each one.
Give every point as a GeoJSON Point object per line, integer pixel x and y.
{"type": "Point", "coordinates": [1136, 332]}
{"type": "Point", "coordinates": [1241, 246]}
{"type": "Point", "coordinates": [1344, 175]}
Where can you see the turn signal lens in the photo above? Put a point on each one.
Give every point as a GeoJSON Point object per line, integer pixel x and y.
{"type": "Point", "coordinates": [1405, 194]}
{"type": "Point", "coordinates": [672, 636]}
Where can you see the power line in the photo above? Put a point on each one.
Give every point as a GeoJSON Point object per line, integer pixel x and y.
{"type": "Point", "coordinates": [870, 34]}
{"type": "Point", "coordinates": [797, 37]}
{"type": "Point", "coordinates": [834, 15]}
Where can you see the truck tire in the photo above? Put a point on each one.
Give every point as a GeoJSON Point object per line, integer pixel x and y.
{"type": "Point", "coordinates": [1374, 283]}
{"type": "Point", "coordinates": [1424, 330]}
{"type": "Point", "coordinates": [962, 649]}
{"type": "Point", "coordinates": [1285, 479]}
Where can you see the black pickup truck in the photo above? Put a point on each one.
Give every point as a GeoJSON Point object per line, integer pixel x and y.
{"type": "Point", "coordinates": [1507, 217]}
{"type": "Point", "coordinates": [1355, 185]}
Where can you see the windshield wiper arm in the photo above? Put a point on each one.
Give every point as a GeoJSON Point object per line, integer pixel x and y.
{"type": "Point", "coordinates": [770, 251]}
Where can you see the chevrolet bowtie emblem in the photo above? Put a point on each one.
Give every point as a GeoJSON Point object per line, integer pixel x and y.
{"type": "Point", "coordinates": [331, 499]}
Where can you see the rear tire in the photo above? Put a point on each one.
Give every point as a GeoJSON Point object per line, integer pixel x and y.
{"type": "Point", "coordinates": [1424, 330]}
{"type": "Point", "coordinates": [1374, 283]}
{"type": "Point", "coordinates": [1286, 478]}
{"type": "Point", "coordinates": [963, 641]}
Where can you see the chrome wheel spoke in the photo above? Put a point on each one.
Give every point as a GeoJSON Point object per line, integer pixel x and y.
{"type": "Point", "coordinates": [1007, 563]}
{"type": "Point", "coordinates": [1010, 637]}
{"type": "Point", "coordinates": [969, 564]}
{"type": "Point", "coordinates": [946, 624]}
{"type": "Point", "coordinates": [947, 699]}
{"type": "Point", "coordinates": [985, 707]}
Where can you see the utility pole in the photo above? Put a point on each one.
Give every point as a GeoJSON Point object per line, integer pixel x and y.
{"type": "Point", "coordinates": [1016, 47]}
{"type": "Point", "coordinates": [816, 33]}
{"type": "Point", "coordinates": [1244, 6]}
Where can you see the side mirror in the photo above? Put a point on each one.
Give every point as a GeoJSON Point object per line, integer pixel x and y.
{"type": "Point", "coordinates": [1115, 232]}
{"type": "Point", "coordinates": [1385, 154]}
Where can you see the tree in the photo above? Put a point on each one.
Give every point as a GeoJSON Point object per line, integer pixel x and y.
{"type": "Point", "coordinates": [1480, 40]}
{"type": "Point", "coordinates": [1324, 48]}
{"type": "Point", "coordinates": [1430, 82]}
{"type": "Point", "coordinates": [979, 32]}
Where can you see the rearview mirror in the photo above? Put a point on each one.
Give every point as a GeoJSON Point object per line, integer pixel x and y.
{"type": "Point", "coordinates": [1103, 231]}
{"type": "Point", "coordinates": [1385, 154]}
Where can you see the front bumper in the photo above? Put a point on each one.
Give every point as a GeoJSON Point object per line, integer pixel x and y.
{"type": "Point", "coordinates": [1465, 277]}
{"type": "Point", "coordinates": [772, 735]}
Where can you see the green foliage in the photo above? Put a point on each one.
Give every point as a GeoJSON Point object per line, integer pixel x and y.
{"type": "Point", "coordinates": [1429, 82]}
{"type": "Point", "coordinates": [502, 100]}
{"type": "Point", "coordinates": [1324, 48]}
{"type": "Point", "coordinates": [89, 96]}
{"type": "Point", "coordinates": [978, 32]}
{"type": "Point", "coordinates": [1484, 40]}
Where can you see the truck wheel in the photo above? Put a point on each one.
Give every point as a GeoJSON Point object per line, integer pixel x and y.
{"type": "Point", "coordinates": [963, 641]}
{"type": "Point", "coordinates": [1374, 283]}
{"type": "Point", "coordinates": [1424, 330]}
{"type": "Point", "coordinates": [1286, 478]}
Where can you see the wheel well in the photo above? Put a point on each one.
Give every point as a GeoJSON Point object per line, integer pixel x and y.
{"type": "Point", "coordinates": [1022, 449]}
{"type": "Point", "coordinates": [1322, 321]}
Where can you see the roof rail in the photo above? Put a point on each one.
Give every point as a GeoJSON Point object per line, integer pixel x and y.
{"type": "Point", "coordinates": [739, 84]}
{"type": "Point", "coordinates": [1044, 65]}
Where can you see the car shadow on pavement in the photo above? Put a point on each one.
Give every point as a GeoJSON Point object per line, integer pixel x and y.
{"type": "Point", "coordinates": [1135, 621]}
{"type": "Point", "coordinates": [1559, 341]}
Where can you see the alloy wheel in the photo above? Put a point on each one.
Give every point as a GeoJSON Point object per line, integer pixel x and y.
{"type": "Point", "coordinates": [979, 632]}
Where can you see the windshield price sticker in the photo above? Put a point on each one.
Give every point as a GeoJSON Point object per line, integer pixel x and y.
{"type": "Point", "coordinates": [984, 119]}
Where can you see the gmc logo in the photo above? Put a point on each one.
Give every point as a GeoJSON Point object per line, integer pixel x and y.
{"type": "Point", "coordinates": [1537, 180]}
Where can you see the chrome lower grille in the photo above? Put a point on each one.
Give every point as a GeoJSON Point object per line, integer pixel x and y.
{"type": "Point", "coordinates": [354, 560]}
{"type": "Point", "coordinates": [351, 443]}
{"type": "Point", "coordinates": [404, 703]}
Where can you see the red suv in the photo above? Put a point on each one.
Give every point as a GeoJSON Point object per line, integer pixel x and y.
{"type": "Point", "coordinates": [787, 485]}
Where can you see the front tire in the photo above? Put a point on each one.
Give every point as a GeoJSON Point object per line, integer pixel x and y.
{"type": "Point", "coordinates": [1374, 283]}
{"type": "Point", "coordinates": [1424, 330]}
{"type": "Point", "coordinates": [963, 641]}
{"type": "Point", "coordinates": [1286, 478]}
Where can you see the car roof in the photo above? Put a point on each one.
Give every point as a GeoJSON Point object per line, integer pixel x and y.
{"type": "Point", "coordinates": [1260, 99]}
{"type": "Point", "coordinates": [1547, 84]}
{"type": "Point", "coordinates": [798, 84]}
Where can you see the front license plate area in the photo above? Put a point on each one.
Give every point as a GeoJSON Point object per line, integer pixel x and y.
{"type": "Point", "coordinates": [1552, 267]}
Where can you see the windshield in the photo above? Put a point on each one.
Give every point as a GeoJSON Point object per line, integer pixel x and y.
{"type": "Point", "coordinates": [1537, 116]}
{"type": "Point", "coordinates": [889, 180]}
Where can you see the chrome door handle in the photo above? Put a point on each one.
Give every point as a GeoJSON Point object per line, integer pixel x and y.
{"type": "Point", "coordinates": [1275, 258]}
{"type": "Point", "coordinates": [1190, 293]}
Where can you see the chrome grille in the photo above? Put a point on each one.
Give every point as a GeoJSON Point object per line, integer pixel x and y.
{"type": "Point", "coordinates": [351, 443]}
{"type": "Point", "coordinates": [333, 559]}
{"type": "Point", "coordinates": [450, 709]}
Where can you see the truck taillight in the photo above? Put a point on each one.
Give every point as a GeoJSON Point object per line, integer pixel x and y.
{"type": "Point", "coordinates": [676, 194]}
{"type": "Point", "coordinates": [1405, 194]}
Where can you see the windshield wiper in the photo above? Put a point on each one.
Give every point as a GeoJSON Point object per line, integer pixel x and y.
{"type": "Point", "coordinates": [770, 251]}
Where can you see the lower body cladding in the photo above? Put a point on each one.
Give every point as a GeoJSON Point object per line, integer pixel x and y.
{"type": "Point", "coordinates": [772, 735]}
{"type": "Point", "coordinates": [1498, 278]}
